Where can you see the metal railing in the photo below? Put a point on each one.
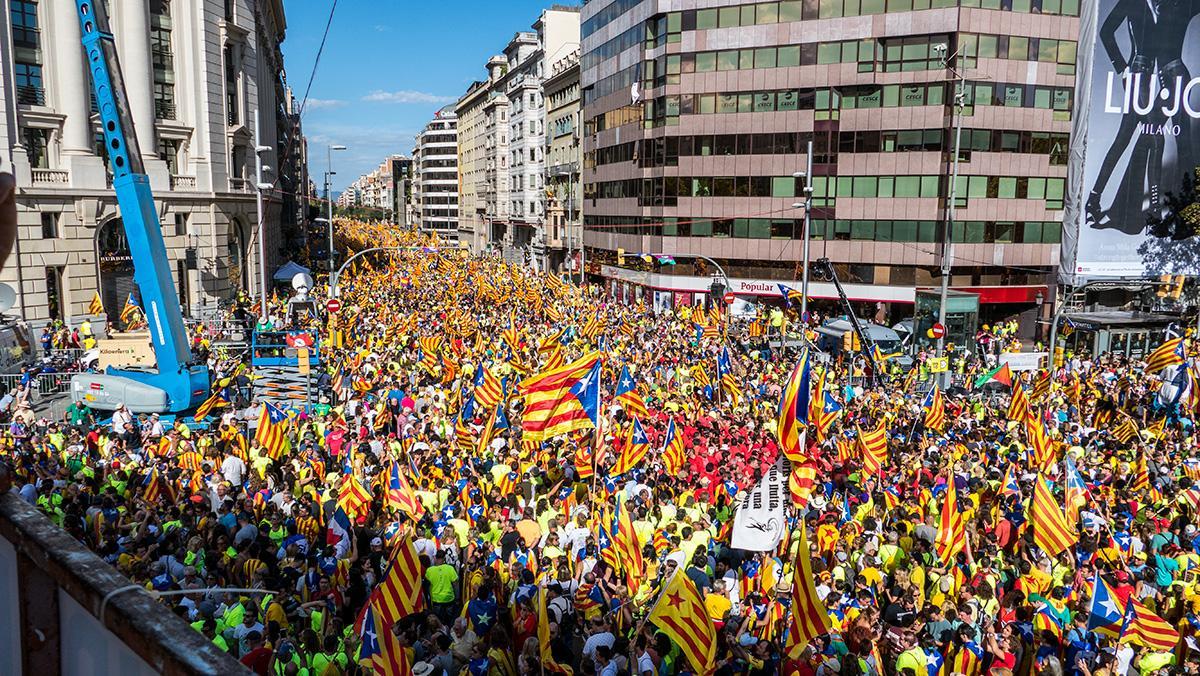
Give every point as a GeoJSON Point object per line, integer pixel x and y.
{"type": "Point", "coordinates": [44, 384]}
{"type": "Point", "coordinates": [31, 95]}
{"type": "Point", "coordinates": [164, 110]}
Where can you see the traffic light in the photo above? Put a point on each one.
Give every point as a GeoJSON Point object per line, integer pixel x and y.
{"type": "Point", "coordinates": [1177, 288]}
{"type": "Point", "coordinates": [1164, 283]}
{"type": "Point", "coordinates": [620, 257]}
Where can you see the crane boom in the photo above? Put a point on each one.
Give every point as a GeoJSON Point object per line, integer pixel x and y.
{"type": "Point", "coordinates": [177, 383]}
{"type": "Point", "coordinates": [867, 346]}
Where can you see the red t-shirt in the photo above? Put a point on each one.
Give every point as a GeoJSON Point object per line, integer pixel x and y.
{"type": "Point", "coordinates": [258, 660]}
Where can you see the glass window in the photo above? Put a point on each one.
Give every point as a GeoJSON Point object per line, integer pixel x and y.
{"type": "Point", "coordinates": [789, 10]}
{"type": "Point", "coordinates": [786, 100]}
{"type": "Point", "coordinates": [929, 186]}
{"type": "Point", "coordinates": [904, 231]}
{"type": "Point", "coordinates": [758, 228]}
{"type": "Point", "coordinates": [864, 186]}
{"type": "Point", "coordinates": [728, 17]}
{"type": "Point", "coordinates": [1036, 189]}
{"type": "Point", "coordinates": [727, 60]}
{"type": "Point", "coordinates": [862, 230]}
{"type": "Point", "coordinates": [926, 231]}
{"type": "Point", "coordinates": [783, 186]}
{"type": "Point", "coordinates": [708, 103]}
{"type": "Point", "coordinates": [1004, 233]}
{"type": "Point", "coordinates": [764, 58]}
{"type": "Point", "coordinates": [891, 96]}
{"type": "Point", "coordinates": [764, 102]}
{"type": "Point", "coordinates": [887, 186]}
{"type": "Point", "coordinates": [830, 9]}
{"type": "Point", "coordinates": [828, 52]}
{"type": "Point", "coordinates": [1051, 232]}
{"type": "Point", "coordinates": [706, 62]}
{"type": "Point", "coordinates": [788, 56]}
{"type": "Point", "coordinates": [706, 18]}
{"type": "Point", "coordinates": [746, 59]}
{"type": "Point", "coordinates": [976, 186]}
{"type": "Point", "coordinates": [873, 7]}
{"type": "Point", "coordinates": [1018, 47]}
{"type": "Point", "coordinates": [1031, 233]}
{"type": "Point", "coordinates": [908, 186]}
{"type": "Point", "coordinates": [767, 13]}
{"type": "Point", "coordinates": [1007, 188]}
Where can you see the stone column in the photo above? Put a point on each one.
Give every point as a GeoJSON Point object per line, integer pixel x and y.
{"type": "Point", "coordinates": [133, 35]}
{"type": "Point", "coordinates": [73, 94]}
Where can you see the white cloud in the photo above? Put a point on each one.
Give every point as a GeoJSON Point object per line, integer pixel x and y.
{"type": "Point", "coordinates": [318, 104]}
{"type": "Point", "coordinates": [380, 28]}
{"type": "Point", "coordinates": [406, 96]}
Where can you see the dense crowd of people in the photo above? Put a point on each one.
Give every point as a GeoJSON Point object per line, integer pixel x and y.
{"type": "Point", "coordinates": [407, 523]}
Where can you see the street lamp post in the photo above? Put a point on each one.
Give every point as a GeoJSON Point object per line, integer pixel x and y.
{"type": "Point", "coordinates": [329, 174]}
{"type": "Point", "coordinates": [947, 238]}
{"type": "Point", "coordinates": [259, 187]}
{"type": "Point", "coordinates": [807, 206]}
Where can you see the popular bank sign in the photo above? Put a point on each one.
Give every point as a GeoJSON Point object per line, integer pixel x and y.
{"type": "Point", "coordinates": [1135, 141]}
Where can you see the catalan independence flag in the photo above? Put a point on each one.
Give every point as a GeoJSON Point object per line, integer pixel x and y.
{"type": "Point", "coordinates": [793, 411]}
{"type": "Point", "coordinates": [635, 448]}
{"type": "Point", "coordinates": [129, 313]}
{"type": "Point", "coordinates": [627, 395]}
{"type": "Point", "coordinates": [272, 431]}
{"type": "Point", "coordinates": [563, 400]}
{"type": "Point", "coordinates": [935, 410]}
{"type": "Point", "coordinates": [488, 390]}
{"type": "Point", "coordinates": [789, 293]}
{"type": "Point", "coordinates": [672, 454]}
{"type": "Point", "coordinates": [1170, 353]}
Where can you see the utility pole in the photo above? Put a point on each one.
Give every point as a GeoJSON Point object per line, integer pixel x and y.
{"type": "Point", "coordinates": [947, 238]}
{"type": "Point", "coordinates": [329, 173]}
{"type": "Point", "coordinates": [805, 235]}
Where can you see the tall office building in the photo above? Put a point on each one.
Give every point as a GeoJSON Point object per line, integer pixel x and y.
{"type": "Point", "coordinates": [696, 121]}
{"type": "Point", "coordinates": [195, 74]}
{"type": "Point", "coordinates": [435, 175]}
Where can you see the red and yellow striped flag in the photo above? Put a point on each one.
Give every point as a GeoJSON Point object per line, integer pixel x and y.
{"type": "Point", "coordinates": [874, 448]}
{"type": "Point", "coordinates": [1018, 406]}
{"type": "Point", "coordinates": [809, 618]}
{"type": "Point", "coordinates": [399, 595]}
{"type": "Point", "coordinates": [1051, 531]}
{"type": "Point", "coordinates": [555, 400]}
{"type": "Point", "coordinates": [1146, 628]}
{"type": "Point", "coordinates": [353, 497]}
{"type": "Point", "coordinates": [681, 615]}
{"type": "Point", "coordinates": [951, 537]}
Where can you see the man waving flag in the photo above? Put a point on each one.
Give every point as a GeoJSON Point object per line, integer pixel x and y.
{"type": "Point", "coordinates": [680, 614]}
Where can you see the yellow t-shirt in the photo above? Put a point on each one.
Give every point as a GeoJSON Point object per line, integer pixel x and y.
{"type": "Point", "coordinates": [717, 606]}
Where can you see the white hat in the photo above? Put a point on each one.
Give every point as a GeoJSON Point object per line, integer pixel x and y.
{"type": "Point", "coordinates": [422, 669]}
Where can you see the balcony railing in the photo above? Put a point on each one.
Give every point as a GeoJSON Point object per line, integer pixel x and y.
{"type": "Point", "coordinates": [51, 176]}
{"type": "Point", "coordinates": [239, 185]}
{"type": "Point", "coordinates": [183, 182]}
{"type": "Point", "coordinates": [31, 95]}
{"type": "Point", "coordinates": [164, 110]}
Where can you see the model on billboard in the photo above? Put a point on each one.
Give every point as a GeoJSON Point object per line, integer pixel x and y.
{"type": "Point", "coordinates": [1156, 31]}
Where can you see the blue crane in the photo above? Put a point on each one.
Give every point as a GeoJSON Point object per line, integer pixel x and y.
{"type": "Point", "coordinates": [178, 382]}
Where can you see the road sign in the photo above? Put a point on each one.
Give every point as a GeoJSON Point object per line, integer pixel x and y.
{"type": "Point", "coordinates": [937, 330]}
{"type": "Point", "coordinates": [729, 298]}
{"type": "Point", "coordinates": [938, 364]}
{"type": "Point", "coordinates": [333, 305]}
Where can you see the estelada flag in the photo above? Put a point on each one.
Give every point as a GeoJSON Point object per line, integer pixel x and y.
{"type": "Point", "coordinates": [680, 614]}
{"type": "Point", "coordinates": [563, 400]}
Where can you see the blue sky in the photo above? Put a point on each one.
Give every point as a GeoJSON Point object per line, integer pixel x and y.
{"type": "Point", "coordinates": [387, 67]}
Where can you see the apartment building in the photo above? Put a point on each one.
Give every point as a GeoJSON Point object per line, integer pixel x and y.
{"type": "Point", "coordinates": [435, 175]}
{"type": "Point", "coordinates": [564, 155]}
{"type": "Point", "coordinates": [502, 143]}
{"type": "Point", "coordinates": [196, 75]}
{"type": "Point", "coordinates": [385, 189]}
{"type": "Point", "coordinates": [697, 120]}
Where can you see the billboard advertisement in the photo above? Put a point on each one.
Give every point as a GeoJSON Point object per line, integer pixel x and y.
{"type": "Point", "coordinates": [1135, 142]}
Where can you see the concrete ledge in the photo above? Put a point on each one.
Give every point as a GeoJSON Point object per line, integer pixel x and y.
{"type": "Point", "coordinates": [165, 642]}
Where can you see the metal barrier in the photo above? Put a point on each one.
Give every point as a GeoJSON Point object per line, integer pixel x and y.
{"type": "Point", "coordinates": [45, 384]}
